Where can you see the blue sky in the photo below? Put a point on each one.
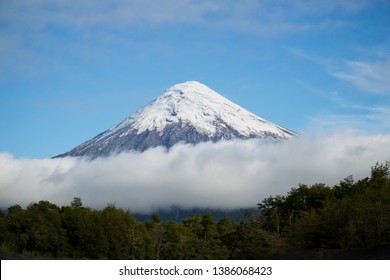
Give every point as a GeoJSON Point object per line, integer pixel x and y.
{"type": "Point", "coordinates": [71, 69]}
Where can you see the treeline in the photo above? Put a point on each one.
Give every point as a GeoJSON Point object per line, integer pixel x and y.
{"type": "Point", "coordinates": [348, 215]}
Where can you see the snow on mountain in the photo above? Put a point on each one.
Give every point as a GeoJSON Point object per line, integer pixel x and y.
{"type": "Point", "coordinates": [189, 112]}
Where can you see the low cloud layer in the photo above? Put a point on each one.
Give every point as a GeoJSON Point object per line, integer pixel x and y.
{"type": "Point", "coordinates": [226, 175]}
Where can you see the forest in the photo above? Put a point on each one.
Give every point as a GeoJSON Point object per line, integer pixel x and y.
{"type": "Point", "coordinates": [350, 216]}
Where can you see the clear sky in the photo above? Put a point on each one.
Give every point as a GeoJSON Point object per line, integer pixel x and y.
{"type": "Point", "coordinates": [70, 69]}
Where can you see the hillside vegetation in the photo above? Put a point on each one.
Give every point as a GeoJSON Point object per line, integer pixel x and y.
{"type": "Point", "coordinates": [353, 216]}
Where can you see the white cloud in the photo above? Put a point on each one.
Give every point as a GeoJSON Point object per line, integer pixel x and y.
{"type": "Point", "coordinates": [228, 175]}
{"type": "Point", "coordinates": [322, 7]}
{"type": "Point", "coordinates": [38, 31]}
{"type": "Point", "coordinates": [366, 118]}
{"type": "Point", "coordinates": [367, 76]}
{"type": "Point", "coordinates": [275, 15]}
{"type": "Point", "coordinates": [370, 75]}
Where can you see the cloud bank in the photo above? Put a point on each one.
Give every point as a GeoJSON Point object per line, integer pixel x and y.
{"type": "Point", "coordinates": [225, 175]}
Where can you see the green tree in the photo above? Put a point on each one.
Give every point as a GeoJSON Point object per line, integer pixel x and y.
{"type": "Point", "coordinates": [84, 230]}
{"type": "Point", "coordinates": [16, 227]}
{"type": "Point", "coordinates": [356, 215]}
{"type": "Point", "coordinates": [45, 232]}
{"type": "Point", "coordinates": [194, 224]}
{"type": "Point", "coordinates": [275, 211]}
{"type": "Point", "coordinates": [209, 228]}
{"type": "Point", "coordinates": [345, 188]}
{"type": "Point", "coordinates": [252, 241]}
{"type": "Point", "coordinates": [76, 203]}
{"type": "Point", "coordinates": [174, 242]}
{"type": "Point", "coordinates": [225, 226]}
{"type": "Point", "coordinates": [157, 234]}
{"type": "Point", "coordinates": [125, 236]}
{"type": "Point", "coordinates": [3, 227]}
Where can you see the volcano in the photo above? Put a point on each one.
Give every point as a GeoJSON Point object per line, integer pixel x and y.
{"type": "Point", "coordinates": [187, 113]}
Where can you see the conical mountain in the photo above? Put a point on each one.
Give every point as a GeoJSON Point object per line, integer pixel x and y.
{"type": "Point", "coordinates": [189, 112]}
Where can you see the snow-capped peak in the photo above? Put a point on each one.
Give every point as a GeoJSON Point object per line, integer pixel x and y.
{"type": "Point", "coordinates": [189, 112]}
{"type": "Point", "coordinates": [196, 104]}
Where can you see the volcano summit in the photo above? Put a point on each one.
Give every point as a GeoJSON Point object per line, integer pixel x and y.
{"type": "Point", "coordinates": [188, 113]}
